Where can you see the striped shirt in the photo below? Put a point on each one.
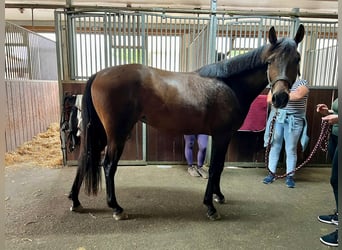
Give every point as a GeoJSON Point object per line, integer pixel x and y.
{"type": "Point", "coordinates": [298, 106]}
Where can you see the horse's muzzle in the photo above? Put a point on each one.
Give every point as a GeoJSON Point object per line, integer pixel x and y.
{"type": "Point", "coordinates": [280, 99]}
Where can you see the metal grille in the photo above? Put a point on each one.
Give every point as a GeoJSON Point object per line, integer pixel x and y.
{"type": "Point", "coordinates": [28, 55]}
{"type": "Point", "coordinates": [319, 53]}
{"type": "Point", "coordinates": [185, 43]}
{"type": "Point", "coordinates": [107, 39]}
{"type": "Point", "coordinates": [239, 35]}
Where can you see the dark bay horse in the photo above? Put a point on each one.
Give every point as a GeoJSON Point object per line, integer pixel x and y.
{"type": "Point", "coordinates": [213, 100]}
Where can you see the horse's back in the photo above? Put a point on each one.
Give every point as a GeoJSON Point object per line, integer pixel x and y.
{"type": "Point", "coordinates": [170, 101]}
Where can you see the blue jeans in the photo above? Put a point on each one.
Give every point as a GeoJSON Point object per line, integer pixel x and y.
{"type": "Point", "coordinates": [289, 134]}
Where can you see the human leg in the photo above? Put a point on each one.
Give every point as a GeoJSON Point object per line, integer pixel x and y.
{"type": "Point", "coordinates": [333, 152]}
{"type": "Point", "coordinates": [292, 134]}
{"type": "Point", "coordinates": [189, 144]}
{"type": "Point", "coordinates": [331, 239]}
{"type": "Point", "coordinates": [202, 141]}
{"type": "Point", "coordinates": [277, 143]}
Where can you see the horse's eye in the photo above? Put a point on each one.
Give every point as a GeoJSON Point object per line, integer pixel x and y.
{"type": "Point", "coordinates": [269, 61]}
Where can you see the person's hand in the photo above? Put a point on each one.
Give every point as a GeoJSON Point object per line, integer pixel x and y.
{"type": "Point", "coordinates": [323, 109]}
{"type": "Point", "coordinates": [332, 119]}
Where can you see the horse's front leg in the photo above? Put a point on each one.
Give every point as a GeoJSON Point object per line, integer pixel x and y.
{"type": "Point", "coordinates": [110, 167]}
{"type": "Point", "coordinates": [218, 196]}
{"type": "Point", "coordinates": [208, 200]}
{"type": "Point", "coordinates": [213, 191]}
{"type": "Point", "coordinates": [218, 152]}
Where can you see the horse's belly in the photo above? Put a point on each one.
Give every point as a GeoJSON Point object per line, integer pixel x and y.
{"type": "Point", "coordinates": [176, 120]}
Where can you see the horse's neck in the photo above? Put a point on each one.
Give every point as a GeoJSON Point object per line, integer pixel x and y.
{"type": "Point", "coordinates": [235, 66]}
{"type": "Point", "coordinates": [244, 74]}
{"type": "Point", "coordinates": [249, 85]}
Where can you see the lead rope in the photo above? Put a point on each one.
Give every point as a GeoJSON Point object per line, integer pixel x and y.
{"type": "Point", "coordinates": [321, 143]}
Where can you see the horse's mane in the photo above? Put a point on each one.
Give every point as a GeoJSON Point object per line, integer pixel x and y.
{"type": "Point", "coordinates": [248, 61]}
{"type": "Point", "coordinates": [235, 65]}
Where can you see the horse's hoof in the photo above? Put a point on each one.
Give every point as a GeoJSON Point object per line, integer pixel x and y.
{"type": "Point", "coordinates": [218, 200]}
{"type": "Point", "coordinates": [120, 216]}
{"type": "Point", "coordinates": [78, 209]}
{"type": "Point", "coordinates": [214, 216]}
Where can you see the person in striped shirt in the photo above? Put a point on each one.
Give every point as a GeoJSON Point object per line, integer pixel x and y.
{"type": "Point", "coordinates": [290, 126]}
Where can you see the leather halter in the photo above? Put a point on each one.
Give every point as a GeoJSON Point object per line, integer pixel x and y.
{"type": "Point", "coordinates": [278, 78]}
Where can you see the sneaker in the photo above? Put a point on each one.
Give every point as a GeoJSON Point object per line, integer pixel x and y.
{"type": "Point", "coordinates": [329, 219]}
{"type": "Point", "coordinates": [330, 239]}
{"type": "Point", "coordinates": [203, 172]}
{"type": "Point", "coordinates": [193, 172]}
{"type": "Point", "coordinates": [290, 182]}
{"type": "Point", "coordinates": [268, 179]}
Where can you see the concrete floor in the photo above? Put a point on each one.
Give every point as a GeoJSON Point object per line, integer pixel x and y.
{"type": "Point", "coordinates": [166, 211]}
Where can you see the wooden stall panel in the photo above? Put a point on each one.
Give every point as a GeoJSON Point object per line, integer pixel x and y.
{"type": "Point", "coordinates": [133, 148]}
{"type": "Point", "coordinates": [164, 148]}
{"type": "Point", "coordinates": [31, 107]}
{"type": "Point", "coordinates": [317, 96]}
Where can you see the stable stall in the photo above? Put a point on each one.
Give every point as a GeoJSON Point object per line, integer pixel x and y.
{"type": "Point", "coordinates": [180, 42]}
{"type": "Point", "coordinates": [181, 39]}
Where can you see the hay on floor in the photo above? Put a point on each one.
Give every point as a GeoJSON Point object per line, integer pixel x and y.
{"type": "Point", "coordinates": [43, 150]}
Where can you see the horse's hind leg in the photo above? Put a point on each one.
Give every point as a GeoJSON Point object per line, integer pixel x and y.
{"type": "Point", "coordinates": [112, 156]}
{"type": "Point", "coordinates": [75, 190]}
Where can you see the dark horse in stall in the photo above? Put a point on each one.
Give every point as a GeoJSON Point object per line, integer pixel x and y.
{"type": "Point", "coordinates": [213, 100]}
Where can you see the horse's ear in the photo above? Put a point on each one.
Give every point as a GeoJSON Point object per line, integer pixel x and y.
{"type": "Point", "coordinates": [300, 34]}
{"type": "Point", "coordinates": [272, 36]}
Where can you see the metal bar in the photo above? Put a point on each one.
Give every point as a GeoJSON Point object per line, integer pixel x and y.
{"type": "Point", "coordinates": [159, 61]}
{"type": "Point", "coordinates": [114, 39]}
{"type": "Point", "coordinates": [105, 40]}
{"type": "Point", "coordinates": [119, 36]}
{"type": "Point", "coordinates": [249, 12]}
{"type": "Point", "coordinates": [129, 38]}
{"type": "Point", "coordinates": [169, 44]}
{"type": "Point", "coordinates": [318, 48]}
{"type": "Point", "coordinates": [93, 45]}
{"type": "Point", "coordinates": [334, 80]}
{"type": "Point", "coordinates": [144, 39]}
{"type": "Point", "coordinates": [135, 37]}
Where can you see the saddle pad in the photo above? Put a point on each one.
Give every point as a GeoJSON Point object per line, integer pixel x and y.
{"type": "Point", "coordinates": [255, 120]}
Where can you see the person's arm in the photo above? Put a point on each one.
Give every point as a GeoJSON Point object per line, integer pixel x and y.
{"type": "Point", "coordinates": [299, 93]}
{"type": "Point", "coordinates": [322, 109]}
{"type": "Point", "coordinates": [332, 119]}
{"type": "Point", "coordinates": [269, 97]}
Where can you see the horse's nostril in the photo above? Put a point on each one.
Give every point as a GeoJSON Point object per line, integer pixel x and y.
{"type": "Point", "coordinates": [280, 100]}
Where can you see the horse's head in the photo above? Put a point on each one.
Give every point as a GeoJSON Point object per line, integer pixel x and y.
{"type": "Point", "coordinates": [283, 65]}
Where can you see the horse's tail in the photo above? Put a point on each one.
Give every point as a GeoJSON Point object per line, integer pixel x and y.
{"type": "Point", "coordinates": [93, 141]}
